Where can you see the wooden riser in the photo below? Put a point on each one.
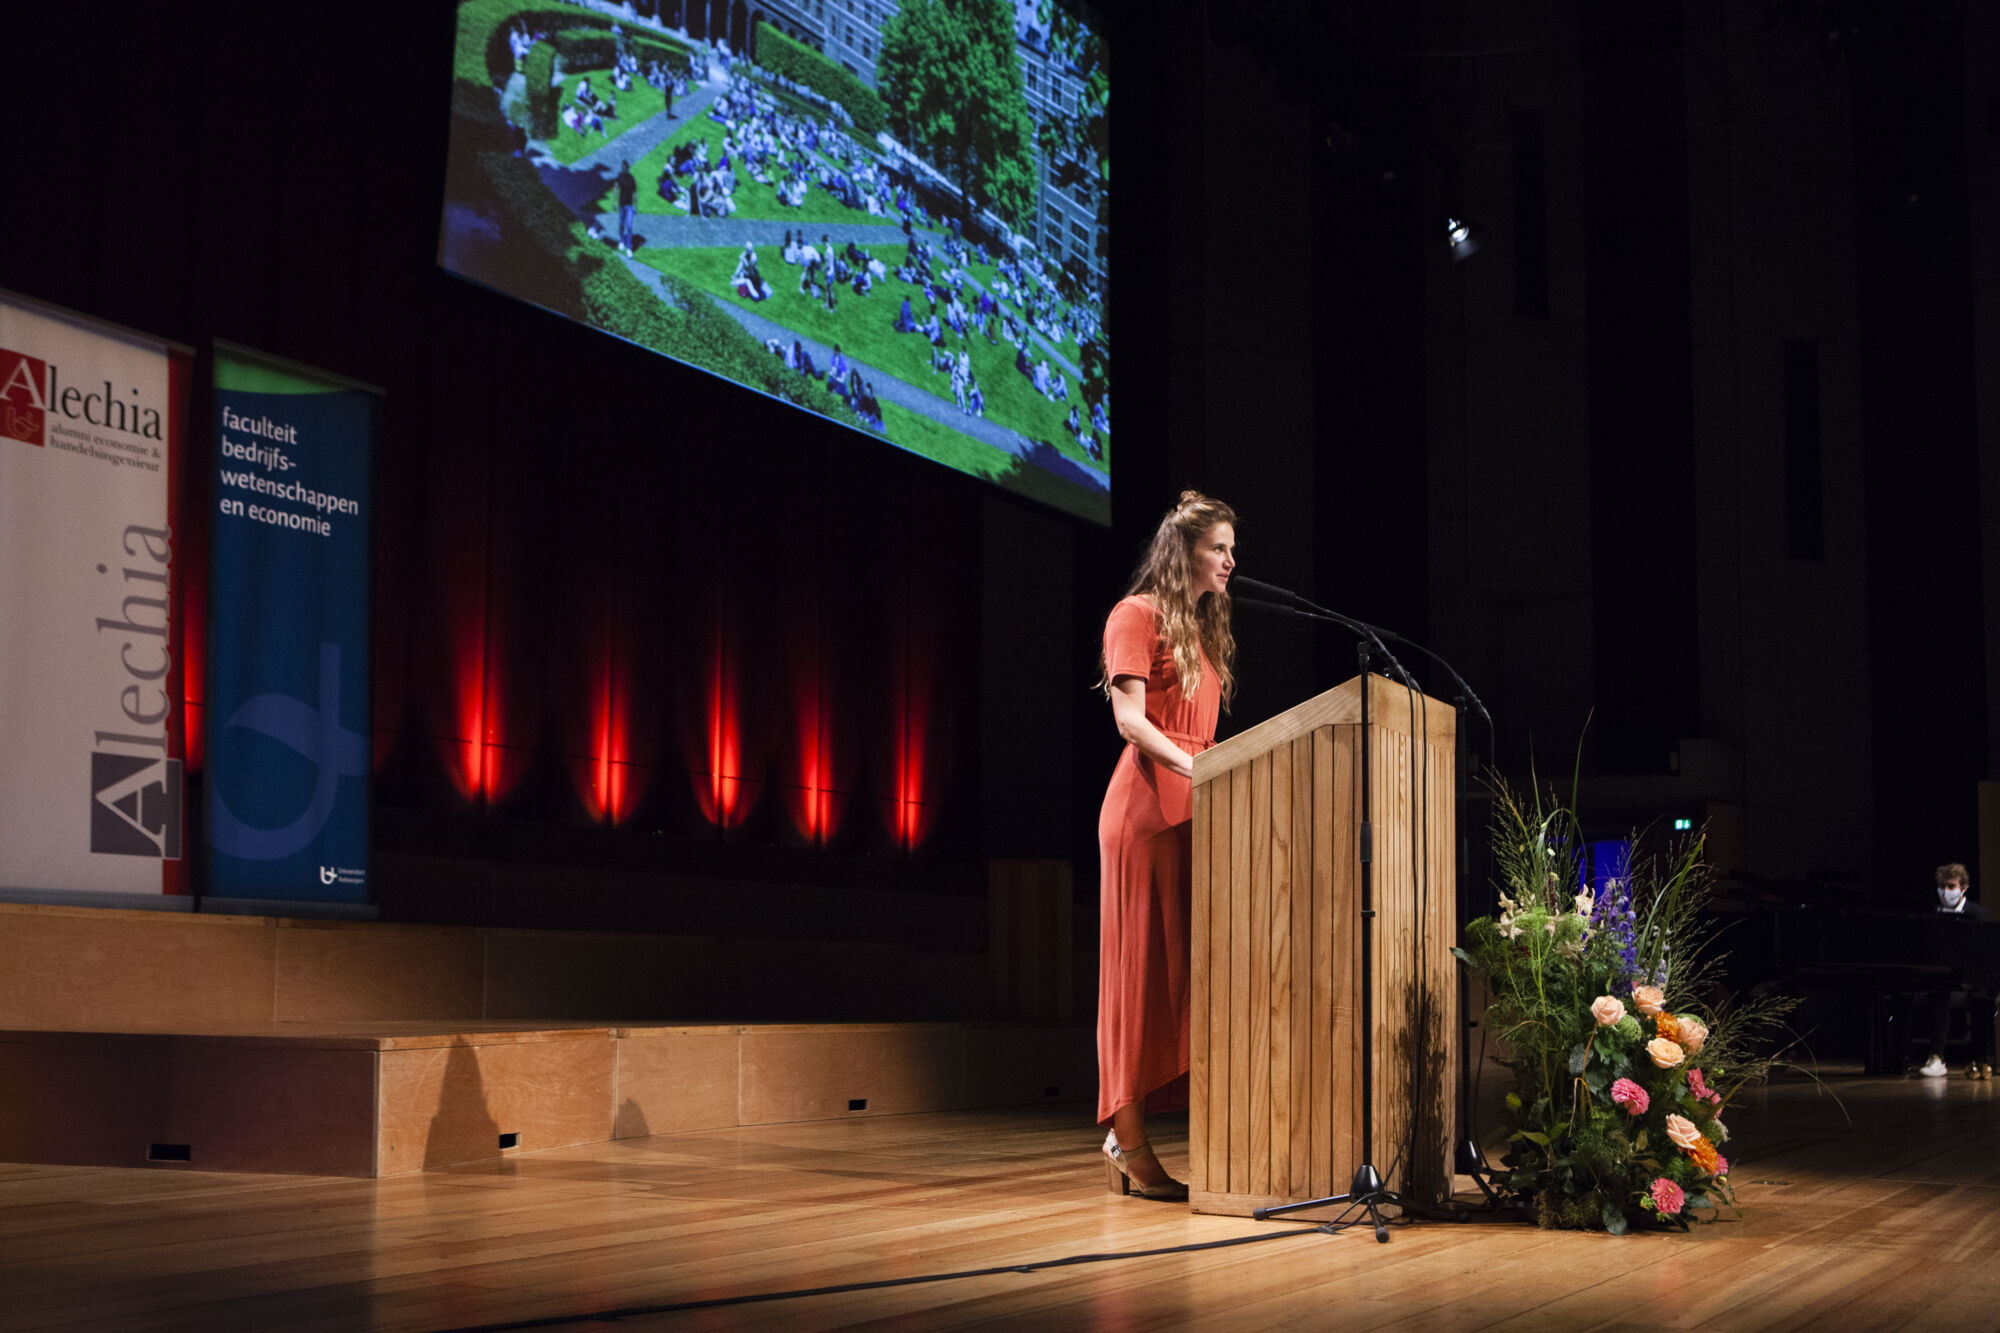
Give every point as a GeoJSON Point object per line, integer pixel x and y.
{"type": "Point", "coordinates": [109, 970]}
{"type": "Point", "coordinates": [387, 1099]}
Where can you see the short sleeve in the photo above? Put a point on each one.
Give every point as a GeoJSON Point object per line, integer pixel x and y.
{"type": "Point", "coordinates": [1131, 637]}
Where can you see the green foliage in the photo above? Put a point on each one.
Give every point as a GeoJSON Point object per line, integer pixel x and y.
{"type": "Point", "coordinates": [780, 54]}
{"type": "Point", "coordinates": [544, 98]}
{"type": "Point", "coordinates": [1586, 1157]}
{"type": "Point", "coordinates": [948, 71]}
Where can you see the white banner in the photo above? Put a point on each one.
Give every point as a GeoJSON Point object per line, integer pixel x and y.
{"type": "Point", "coordinates": [90, 709]}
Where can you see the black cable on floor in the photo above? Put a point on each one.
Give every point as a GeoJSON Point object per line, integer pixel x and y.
{"type": "Point", "coordinates": [758, 1297]}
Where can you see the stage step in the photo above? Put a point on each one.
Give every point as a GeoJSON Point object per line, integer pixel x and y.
{"type": "Point", "coordinates": [384, 1099]}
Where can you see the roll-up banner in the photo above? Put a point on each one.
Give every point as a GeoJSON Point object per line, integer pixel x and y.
{"type": "Point", "coordinates": [91, 737]}
{"type": "Point", "coordinates": [288, 633]}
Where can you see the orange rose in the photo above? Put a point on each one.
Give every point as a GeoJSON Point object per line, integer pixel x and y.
{"type": "Point", "coordinates": [1692, 1034]}
{"type": "Point", "coordinates": [1648, 999]}
{"type": "Point", "coordinates": [1607, 1009]}
{"type": "Point", "coordinates": [1665, 1053]}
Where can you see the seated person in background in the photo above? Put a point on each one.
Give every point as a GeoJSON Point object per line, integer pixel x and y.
{"type": "Point", "coordinates": [906, 319]}
{"type": "Point", "coordinates": [836, 372]}
{"type": "Point", "coordinates": [1954, 904]}
{"type": "Point", "coordinates": [747, 280]}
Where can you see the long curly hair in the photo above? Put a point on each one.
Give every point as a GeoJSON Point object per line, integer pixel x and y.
{"type": "Point", "coordinates": [1193, 625]}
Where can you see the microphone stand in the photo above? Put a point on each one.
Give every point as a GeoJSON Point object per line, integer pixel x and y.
{"type": "Point", "coordinates": [1366, 1188]}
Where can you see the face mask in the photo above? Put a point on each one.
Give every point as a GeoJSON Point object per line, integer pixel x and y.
{"type": "Point", "coordinates": [1949, 899]}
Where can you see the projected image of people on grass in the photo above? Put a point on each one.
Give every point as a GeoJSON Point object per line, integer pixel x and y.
{"type": "Point", "coordinates": [897, 223]}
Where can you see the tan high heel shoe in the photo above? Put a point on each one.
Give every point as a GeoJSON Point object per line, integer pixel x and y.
{"type": "Point", "coordinates": [1118, 1173]}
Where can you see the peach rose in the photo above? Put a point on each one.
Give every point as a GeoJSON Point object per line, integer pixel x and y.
{"type": "Point", "coordinates": [1665, 1053]}
{"type": "Point", "coordinates": [1648, 1000]}
{"type": "Point", "coordinates": [1693, 1034]}
{"type": "Point", "coordinates": [1607, 1009]}
{"type": "Point", "coordinates": [1682, 1131]}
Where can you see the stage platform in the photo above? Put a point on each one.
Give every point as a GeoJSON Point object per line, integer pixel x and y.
{"type": "Point", "coordinates": [1867, 1204]}
{"type": "Point", "coordinates": [386, 1098]}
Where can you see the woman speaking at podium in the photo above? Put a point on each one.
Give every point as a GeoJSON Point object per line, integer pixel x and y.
{"type": "Point", "coordinates": [1167, 657]}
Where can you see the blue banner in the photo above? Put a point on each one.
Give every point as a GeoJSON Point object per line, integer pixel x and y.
{"type": "Point", "coordinates": [288, 629]}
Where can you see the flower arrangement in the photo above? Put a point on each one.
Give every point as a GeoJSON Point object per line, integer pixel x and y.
{"type": "Point", "coordinates": [1623, 1048]}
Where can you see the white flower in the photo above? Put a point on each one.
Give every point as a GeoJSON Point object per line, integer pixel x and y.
{"type": "Point", "coordinates": [1585, 904]}
{"type": "Point", "coordinates": [1553, 923]}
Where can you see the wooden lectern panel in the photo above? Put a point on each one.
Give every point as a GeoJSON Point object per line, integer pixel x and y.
{"type": "Point", "coordinates": [1276, 1077]}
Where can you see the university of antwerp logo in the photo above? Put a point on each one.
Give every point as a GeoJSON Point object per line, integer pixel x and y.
{"type": "Point", "coordinates": [135, 805]}
{"type": "Point", "coordinates": [24, 398]}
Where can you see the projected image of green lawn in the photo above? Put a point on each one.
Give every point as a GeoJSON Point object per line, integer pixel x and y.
{"type": "Point", "coordinates": [894, 218]}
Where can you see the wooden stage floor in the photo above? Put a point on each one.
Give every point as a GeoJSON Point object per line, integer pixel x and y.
{"type": "Point", "coordinates": [1884, 1214]}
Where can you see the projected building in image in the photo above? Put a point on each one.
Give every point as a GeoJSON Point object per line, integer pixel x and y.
{"type": "Point", "coordinates": [890, 214]}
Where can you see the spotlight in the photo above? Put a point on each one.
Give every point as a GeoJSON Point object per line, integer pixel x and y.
{"type": "Point", "coordinates": [1458, 235]}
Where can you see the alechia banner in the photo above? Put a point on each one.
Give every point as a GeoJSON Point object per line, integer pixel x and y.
{"type": "Point", "coordinates": [288, 632]}
{"type": "Point", "coordinates": [91, 738]}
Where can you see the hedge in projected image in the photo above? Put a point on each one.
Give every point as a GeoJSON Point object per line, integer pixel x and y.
{"type": "Point", "coordinates": [889, 214]}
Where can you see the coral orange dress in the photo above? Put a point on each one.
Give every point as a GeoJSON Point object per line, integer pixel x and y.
{"type": "Point", "coordinates": [1143, 841]}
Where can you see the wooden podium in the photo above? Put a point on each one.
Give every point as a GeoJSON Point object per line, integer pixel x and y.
{"type": "Point", "coordinates": [1279, 1014]}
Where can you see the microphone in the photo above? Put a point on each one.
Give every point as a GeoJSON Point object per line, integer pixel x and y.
{"type": "Point", "coordinates": [1284, 599]}
{"type": "Point", "coordinates": [1264, 589]}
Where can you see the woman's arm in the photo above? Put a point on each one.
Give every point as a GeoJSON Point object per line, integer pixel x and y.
{"type": "Point", "coordinates": [1128, 709]}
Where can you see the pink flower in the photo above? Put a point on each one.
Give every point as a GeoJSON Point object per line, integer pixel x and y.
{"type": "Point", "coordinates": [1648, 1000]}
{"type": "Point", "coordinates": [1699, 1087]}
{"type": "Point", "coordinates": [1630, 1096]}
{"type": "Point", "coordinates": [1721, 1165]}
{"type": "Point", "coordinates": [1667, 1197]}
{"type": "Point", "coordinates": [1607, 1009]}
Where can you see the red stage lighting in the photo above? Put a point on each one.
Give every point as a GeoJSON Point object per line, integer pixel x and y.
{"type": "Point", "coordinates": [194, 645]}
{"type": "Point", "coordinates": [720, 790]}
{"type": "Point", "coordinates": [473, 754]}
{"type": "Point", "coordinates": [814, 811]}
{"type": "Point", "coordinates": [912, 814]}
{"type": "Point", "coordinates": [614, 785]}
